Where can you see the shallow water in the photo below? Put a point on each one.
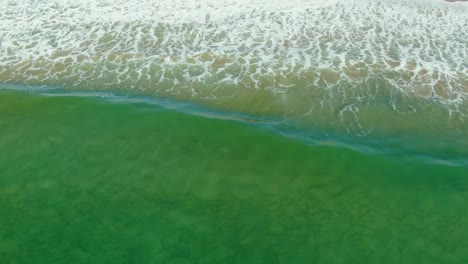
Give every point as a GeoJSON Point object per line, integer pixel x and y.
{"type": "Point", "coordinates": [350, 66]}
{"type": "Point", "coordinates": [88, 180]}
{"type": "Point", "coordinates": [233, 132]}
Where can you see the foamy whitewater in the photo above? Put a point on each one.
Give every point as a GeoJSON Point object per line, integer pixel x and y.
{"type": "Point", "coordinates": [358, 66]}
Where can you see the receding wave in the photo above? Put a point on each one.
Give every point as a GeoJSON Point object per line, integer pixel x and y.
{"type": "Point", "coordinates": [356, 66]}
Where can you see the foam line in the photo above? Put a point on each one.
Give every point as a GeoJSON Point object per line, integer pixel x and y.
{"type": "Point", "coordinates": [335, 58]}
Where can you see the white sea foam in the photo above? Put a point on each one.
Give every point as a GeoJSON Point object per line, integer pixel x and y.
{"type": "Point", "coordinates": [301, 56]}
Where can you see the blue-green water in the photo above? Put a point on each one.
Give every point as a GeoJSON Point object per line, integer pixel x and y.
{"type": "Point", "coordinates": [88, 180]}
{"type": "Point", "coordinates": [247, 131]}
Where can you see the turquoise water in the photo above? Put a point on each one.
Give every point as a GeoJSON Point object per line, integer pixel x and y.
{"type": "Point", "coordinates": [88, 180]}
{"type": "Point", "coordinates": [233, 132]}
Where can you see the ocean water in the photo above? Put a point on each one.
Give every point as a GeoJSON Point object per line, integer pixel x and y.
{"type": "Point", "coordinates": [88, 180]}
{"type": "Point", "coordinates": [386, 69]}
{"type": "Point", "coordinates": [233, 131]}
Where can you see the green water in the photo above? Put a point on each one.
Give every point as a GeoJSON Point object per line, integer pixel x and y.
{"type": "Point", "coordinates": [83, 180]}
